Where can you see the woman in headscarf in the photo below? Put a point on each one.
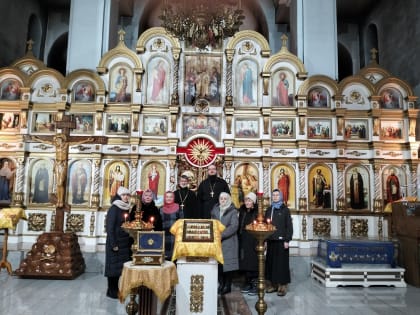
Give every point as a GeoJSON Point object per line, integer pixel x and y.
{"type": "Point", "coordinates": [170, 212]}
{"type": "Point", "coordinates": [277, 270]}
{"type": "Point", "coordinates": [248, 260]}
{"type": "Point", "coordinates": [150, 210]}
{"type": "Point", "coordinates": [227, 214]}
{"type": "Point", "coordinates": [118, 242]}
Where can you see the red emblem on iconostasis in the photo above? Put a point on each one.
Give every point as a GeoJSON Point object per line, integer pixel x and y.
{"type": "Point", "coordinates": [201, 152]}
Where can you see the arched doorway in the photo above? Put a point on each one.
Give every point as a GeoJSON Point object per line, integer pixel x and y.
{"type": "Point", "coordinates": [57, 57]}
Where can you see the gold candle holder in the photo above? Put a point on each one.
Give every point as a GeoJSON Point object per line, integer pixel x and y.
{"type": "Point", "coordinates": [303, 204]}
{"type": "Point", "coordinates": [340, 204]}
{"type": "Point", "coordinates": [132, 227]}
{"type": "Point", "coordinates": [378, 205]}
{"type": "Point", "coordinates": [260, 230]}
{"type": "Point", "coordinates": [95, 200]}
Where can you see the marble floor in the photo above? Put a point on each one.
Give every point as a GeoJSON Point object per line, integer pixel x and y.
{"type": "Point", "coordinates": [86, 295]}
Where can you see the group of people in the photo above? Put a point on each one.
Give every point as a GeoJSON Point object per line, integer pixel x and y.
{"type": "Point", "coordinates": [212, 201]}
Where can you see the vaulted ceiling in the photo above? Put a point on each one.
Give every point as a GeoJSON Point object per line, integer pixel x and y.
{"type": "Point", "coordinates": [346, 9]}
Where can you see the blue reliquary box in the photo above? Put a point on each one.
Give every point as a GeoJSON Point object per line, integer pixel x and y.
{"type": "Point", "coordinates": [150, 248]}
{"type": "Point", "coordinates": [334, 253]}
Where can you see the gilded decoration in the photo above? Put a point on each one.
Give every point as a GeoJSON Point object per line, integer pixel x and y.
{"type": "Point", "coordinates": [196, 293]}
{"type": "Point", "coordinates": [356, 153]}
{"type": "Point", "coordinates": [322, 227]}
{"type": "Point", "coordinates": [247, 151]}
{"type": "Point", "coordinates": [154, 34]}
{"type": "Point", "coordinates": [246, 46]}
{"type": "Point", "coordinates": [37, 221]}
{"type": "Point", "coordinates": [355, 97]}
{"type": "Point", "coordinates": [380, 228]}
{"type": "Point", "coordinates": [359, 227]}
{"type": "Point", "coordinates": [75, 223]}
{"type": "Point", "coordinates": [343, 227]}
{"type": "Point", "coordinates": [304, 227]}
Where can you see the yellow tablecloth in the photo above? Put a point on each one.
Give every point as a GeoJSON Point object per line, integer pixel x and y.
{"type": "Point", "coordinates": [9, 217]}
{"type": "Point", "coordinates": [159, 279]}
{"type": "Point", "coordinates": [199, 249]}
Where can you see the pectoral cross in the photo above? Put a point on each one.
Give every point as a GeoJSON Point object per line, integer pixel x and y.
{"type": "Point", "coordinates": [182, 206]}
{"type": "Point", "coordinates": [212, 194]}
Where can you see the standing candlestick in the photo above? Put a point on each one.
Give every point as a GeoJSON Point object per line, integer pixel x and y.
{"type": "Point", "coordinates": [260, 230]}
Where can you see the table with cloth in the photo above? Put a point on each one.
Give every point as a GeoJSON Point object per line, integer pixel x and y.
{"type": "Point", "coordinates": [157, 279]}
{"type": "Point", "coordinates": [9, 218]}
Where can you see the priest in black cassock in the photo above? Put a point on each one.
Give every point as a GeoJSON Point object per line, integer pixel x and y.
{"type": "Point", "coordinates": [209, 190]}
{"type": "Point", "coordinates": [187, 199]}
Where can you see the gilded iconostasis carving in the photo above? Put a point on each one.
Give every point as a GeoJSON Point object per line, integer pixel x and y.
{"type": "Point", "coordinates": [168, 109]}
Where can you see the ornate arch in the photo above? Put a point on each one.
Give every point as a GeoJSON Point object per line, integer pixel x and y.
{"type": "Point", "coordinates": [356, 79]}
{"type": "Point", "coordinates": [153, 32]}
{"type": "Point", "coordinates": [47, 72]}
{"type": "Point", "coordinates": [73, 76]}
{"type": "Point", "coordinates": [316, 80]}
{"type": "Point", "coordinates": [238, 37]}
{"type": "Point", "coordinates": [121, 50]}
{"type": "Point", "coordinates": [284, 55]}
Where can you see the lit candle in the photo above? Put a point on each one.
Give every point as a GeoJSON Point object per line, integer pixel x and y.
{"type": "Point", "coordinates": [268, 221]}
{"type": "Point", "coordinates": [125, 217]}
{"type": "Point", "coordinates": [255, 222]}
{"type": "Point", "coordinates": [152, 219]}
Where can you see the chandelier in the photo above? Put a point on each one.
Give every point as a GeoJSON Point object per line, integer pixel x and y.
{"type": "Point", "coordinates": [202, 24]}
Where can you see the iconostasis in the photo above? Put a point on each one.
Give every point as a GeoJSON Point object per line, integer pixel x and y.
{"type": "Point", "coordinates": [339, 151]}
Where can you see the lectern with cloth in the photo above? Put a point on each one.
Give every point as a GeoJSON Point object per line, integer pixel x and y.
{"type": "Point", "coordinates": [197, 249]}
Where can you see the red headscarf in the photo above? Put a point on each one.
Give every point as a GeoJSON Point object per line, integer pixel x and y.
{"type": "Point", "coordinates": [172, 207]}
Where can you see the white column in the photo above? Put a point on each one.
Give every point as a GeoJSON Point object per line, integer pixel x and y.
{"type": "Point", "coordinates": [316, 30]}
{"type": "Point", "coordinates": [88, 28]}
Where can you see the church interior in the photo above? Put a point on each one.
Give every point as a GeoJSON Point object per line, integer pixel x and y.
{"type": "Point", "coordinates": [316, 98]}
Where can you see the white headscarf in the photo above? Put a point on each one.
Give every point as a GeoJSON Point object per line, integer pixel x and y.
{"type": "Point", "coordinates": [228, 203]}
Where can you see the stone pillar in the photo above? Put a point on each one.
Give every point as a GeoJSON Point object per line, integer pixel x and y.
{"type": "Point", "coordinates": [88, 32]}
{"type": "Point", "coordinates": [316, 33]}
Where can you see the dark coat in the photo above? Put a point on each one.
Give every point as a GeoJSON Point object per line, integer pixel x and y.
{"type": "Point", "coordinates": [204, 195]}
{"type": "Point", "coordinates": [282, 220]}
{"type": "Point", "coordinates": [189, 199]}
{"type": "Point", "coordinates": [116, 236]}
{"type": "Point", "coordinates": [229, 236]}
{"type": "Point", "coordinates": [167, 221]}
{"type": "Point", "coordinates": [150, 210]}
{"type": "Point", "coordinates": [277, 269]}
{"type": "Point", "coordinates": [248, 260]}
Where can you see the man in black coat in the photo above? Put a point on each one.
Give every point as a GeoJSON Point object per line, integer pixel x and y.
{"type": "Point", "coordinates": [187, 199]}
{"type": "Point", "coordinates": [209, 190]}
